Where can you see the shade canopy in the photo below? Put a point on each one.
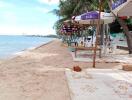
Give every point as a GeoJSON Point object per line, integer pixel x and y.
{"type": "Point", "coordinates": [70, 28]}
{"type": "Point", "coordinates": [90, 15]}
{"type": "Point", "coordinates": [122, 7]}
{"type": "Point", "coordinates": [92, 18]}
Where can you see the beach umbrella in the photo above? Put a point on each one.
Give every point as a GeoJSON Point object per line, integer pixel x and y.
{"type": "Point", "coordinates": [122, 7]}
{"type": "Point", "coordinates": [69, 29]}
{"type": "Point", "coordinates": [97, 18]}
{"type": "Point", "coordinates": [92, 18]}
{"type": "Point", "coordinates": [66, 29]}
{"type": "Point", "coordinates": [68, 26]}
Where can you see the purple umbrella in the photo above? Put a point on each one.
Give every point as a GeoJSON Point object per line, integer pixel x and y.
{"type": "Point", "coordinates": [118, 3]}
{"type": "Point", "coordinates": [122, 7]}
{"type": "Point", "coordinates": [90, 15]}
{"type": "Point", "coordinates": [93, 16]}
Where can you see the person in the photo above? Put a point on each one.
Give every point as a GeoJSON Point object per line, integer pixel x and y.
{"type": "Point", "coordinates": [110, 45]}
{"type": "Point", "coordinates": [81, 43]}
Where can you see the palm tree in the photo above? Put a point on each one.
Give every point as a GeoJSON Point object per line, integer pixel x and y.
{"type": "Point", "coordinates": [69, 8]}
{"type": "Point", "coordinates": [64, 12]}
{"type": "Point", "coordinates": [124, 25]}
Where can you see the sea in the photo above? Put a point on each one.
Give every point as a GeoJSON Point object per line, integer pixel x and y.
{"type": "Point", "coordinates": [12, 44]}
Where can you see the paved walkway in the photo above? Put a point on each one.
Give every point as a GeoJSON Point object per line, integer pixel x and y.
{"type": "Point", "coordinates": [85, 56]}
{"type": "Point", "coordinates": [100, 84]}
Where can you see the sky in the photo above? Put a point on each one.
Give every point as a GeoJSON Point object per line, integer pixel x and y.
{"type": "Point", "coordinates": [32, 17]}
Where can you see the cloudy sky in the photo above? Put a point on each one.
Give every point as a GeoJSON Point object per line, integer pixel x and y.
{"type": "Point", "coordinates": [27, 16]}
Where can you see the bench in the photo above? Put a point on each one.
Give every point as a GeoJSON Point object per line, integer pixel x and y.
{"type": "Point", "coordinates": [122, 47]}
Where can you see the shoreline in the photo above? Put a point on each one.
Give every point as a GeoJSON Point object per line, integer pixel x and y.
{"type": "Point", "coordinates": [32, 48]}
{"type": "Point", "coordinates": [44, 44]}
{"type": "Point", "coordinates": [19, 53]}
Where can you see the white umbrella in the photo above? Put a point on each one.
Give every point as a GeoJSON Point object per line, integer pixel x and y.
{"type": "Point", "coordinates": [122, 8]}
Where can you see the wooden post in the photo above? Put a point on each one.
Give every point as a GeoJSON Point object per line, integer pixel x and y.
{"type": "Point", "coordinates": [97, 32]}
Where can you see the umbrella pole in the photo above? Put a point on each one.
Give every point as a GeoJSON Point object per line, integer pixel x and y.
{"type": "Point", "coordinates": [98, 27]}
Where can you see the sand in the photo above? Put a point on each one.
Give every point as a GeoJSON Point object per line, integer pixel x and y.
{"type": "Point", "coordinates": [39, 74]}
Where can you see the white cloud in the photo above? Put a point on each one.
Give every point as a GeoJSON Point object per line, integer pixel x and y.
{"type": "Point", "coordinates": [10, 23]}
{"type": "Point", "coordinates": [50, 2]}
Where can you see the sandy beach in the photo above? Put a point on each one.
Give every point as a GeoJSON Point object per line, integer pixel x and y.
{"type": "Point", "coordinates": [39, 74]}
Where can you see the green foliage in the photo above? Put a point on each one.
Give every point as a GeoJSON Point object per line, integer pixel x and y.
{"type": "Point", "coordinates": [69, 8]}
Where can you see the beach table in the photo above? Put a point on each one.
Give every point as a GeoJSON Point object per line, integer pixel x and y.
{"type": "Point", "coordinates": [88, 49]}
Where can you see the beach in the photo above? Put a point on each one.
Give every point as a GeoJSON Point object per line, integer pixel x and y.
{"type": "Point", "coordinates": [39, 74]}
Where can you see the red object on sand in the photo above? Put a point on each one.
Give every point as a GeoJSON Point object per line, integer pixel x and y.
{"type": "Point", "coordinates": [77, 69]}
{"type": "Point", "coordinates": [123, 17]}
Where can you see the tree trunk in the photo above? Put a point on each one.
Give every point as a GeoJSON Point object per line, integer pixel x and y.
{"type": "Point", "coordinates": [102, 34]}
{"type": "Point", "coordinates": [127, 33]}
{"type": "Point", "coordinates": [125, 29]}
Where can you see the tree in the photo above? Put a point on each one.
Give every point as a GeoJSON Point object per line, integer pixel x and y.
{"type": "Point", "coordinates": [69, 8]}
{"type": "Point", "coordinates": [128, 34]}
{"type": "Point", "coordinates": [125, 29]}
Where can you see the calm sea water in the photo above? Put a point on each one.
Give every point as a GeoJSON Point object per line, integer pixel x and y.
{"type": "Point", "coordinates": [9, 45]}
